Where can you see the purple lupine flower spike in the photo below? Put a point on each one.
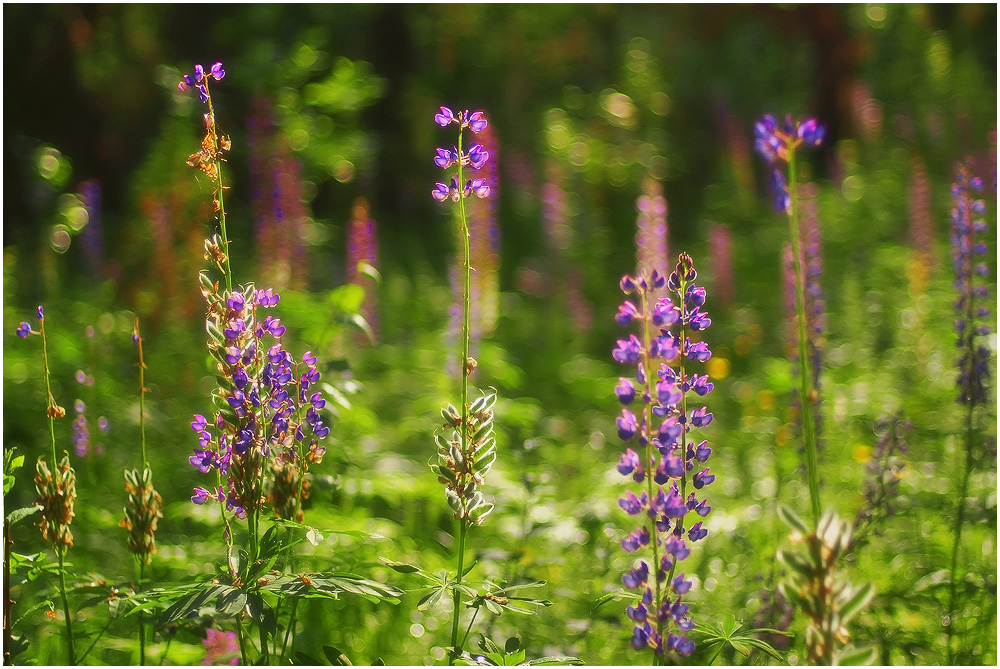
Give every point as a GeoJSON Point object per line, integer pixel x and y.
{"type": "Point", "coordinates": [670, 455]}
{"type": "Point", "coordinates": [476, 158]}
{"type": "Point", "coordinates": [23, 330]}
{"type": "Point", "coordinates": [775, 146]}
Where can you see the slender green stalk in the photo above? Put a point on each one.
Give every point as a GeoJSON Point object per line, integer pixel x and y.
{"type": "Point", "coordinates": [650, 455]}
{"type": "Point", "coordinates": [963, 493]}
{"type": "Point", "coordinates": [220, 192]}
{"type": "Point", "coordinates": [457, 596]}
{"type": "Point", "coordinates": [288, 630]}
{"type": "Point", "coordinates": [464, 427]}
{"type": "Point", "coordinates": [145, 466]}
{"type": "Point", "coordinates": [468, 630]}
{"type": "Point", "coordinates": [805, 378]}
{"type": "Point", "coordinates": [245, 660]}
{"type": "Point", "coordinates": [61, 550]}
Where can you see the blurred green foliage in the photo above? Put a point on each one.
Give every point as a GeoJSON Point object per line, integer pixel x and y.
{"type": "Point", "coordinates": [601, 95]}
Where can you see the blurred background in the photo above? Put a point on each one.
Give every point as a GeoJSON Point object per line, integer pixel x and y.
{"type": "Point", "coordinates": [609, 125]}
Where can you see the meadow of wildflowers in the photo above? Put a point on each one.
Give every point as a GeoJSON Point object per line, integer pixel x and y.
{"type": "Point", "coordinates": [478, 335]}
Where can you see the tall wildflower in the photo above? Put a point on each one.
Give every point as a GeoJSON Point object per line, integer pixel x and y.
{"type": "Point", "coordinates": [812, 263]}
{"type": "Point", "coordinates": [778, 146]}
{"type": "Point", "coordinates": [142, 502]}
{"type": "Point", "coordinates": [484, 242]}
{"type": "Point", "coordinates": [563, 274]}
{"type": "Point", "coordinates": [921, 230]}
{"type": "Point", "coordinates": [667, 455]}
{"type": "Point", "coordinates": [467, 454]}
{"type": "Point", "coordinates": [968, 248]}
{"type": "Point", "coordinates": [92, 236]}
{"type": "Point", "coordinates": [651, 228]}
{"type": "Point", "coordinates": [720, 243]}
{"type": "Point", "coordinates": [55, 483]}
{"type": "Point", "coordinates": [362, 249]}
{"type": "Point", "coordinates": [885, 471]}
{"type": "Point", "coordinates": [266, 403]}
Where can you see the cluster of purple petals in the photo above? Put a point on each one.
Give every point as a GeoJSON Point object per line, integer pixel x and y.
{"type": "Point", "coordinates": [666, 462]}
{"type": "Point", "coordinates": [775, 144]}
{"type": "Point", "coordinates": [200, 78]}
{"type": "Point", "coordinates": [81, 431]}
{"type": "Point", "coordinates": [24, 329]}
{"type": "Point", "coordinates": [971, 270]}
{"type": "Point", "coordinates": [272, 398]}
{"type": "Point", "coordinates": [475, 158]}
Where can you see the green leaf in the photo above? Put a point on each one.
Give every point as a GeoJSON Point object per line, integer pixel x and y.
{"type": "Point", "coordinates": [854, 657]}
{"type": "Point", "coordinates": [512, 645]}
{"type": "Point", "coordinates": [400, 567]}
{"type": "Point", "coordinates": [231, 602]}
{"type": "Point", "coordinates": [796, 562]}
{"type": "Point", "coordinates": [431, 598]}
{"type": "Point", "coordinates": [302, 659]}
{"type": "Point", "coordinates": [489, 646]}
{"type": "Point", "coordinates": [857, 602]}
{"type": "Point", "coordinates": [729, 625]}
{"type": "Point", "coordinates": [616, 596]}
{"type": "Point", "coordinates": [193, 602]}
{"type": "Point", "coordinates": [45, 604]}
{"type": "Point", "coordinates": [337, 657]}
{"type": "Point", "coordinates": [522, 586]}
{"type": "Point", "coordinates": [765, 646]}
{"type": "Point", "coordinates": [792, 520]}
{"type": "Point", "coordinates": [552, 660]}
{"type": "Point", "coordinates": [18, 515]}
{"type": "Point", "coordinates": [262, 613]}
{"type": "Point", "coordinates": [514, 659]}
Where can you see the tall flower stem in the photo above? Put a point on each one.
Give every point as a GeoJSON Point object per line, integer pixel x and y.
{"type": "Point", "coordinates": [463, 430]}
{"type": "Point", "coordinates": [651, 455]}
{"type": "Point", "coordinates": [968, 343]}
{"type": "Point", "coordinates": [145, 466]}
{"type": "Point", "coordinates": [959, 522]}
{"type": "Point", "coordinates": [805, 378]}
{"type": "Point", "coordinates": [59, 550]}
{"type": "Point", "coordinates": [220, 192]}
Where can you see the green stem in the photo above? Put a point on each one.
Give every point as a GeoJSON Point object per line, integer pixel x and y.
{"type": "Point", "coordinates": [59, 550]}
{"type": "Point", "coordinates": [805, 377]}
{"type": "Point", "coordinates": [650, 456]}
{"type": "Point", "coordinates": [65, 602]}
{"type": "Point", "coordinates": [145, 466]}
{"type": "Point", "coordinates": [464, 427]}
{"type": "Point", "coordinates": [468, 629]}
{"type": "Point", "coordinates": [142, 623]}
{"type": "Point", "coordinates": [288, 630]}
{"type": "Point", "coordinates": [220, 193]}
{"type": "Point", "coordinates": [959, 522]}
{"type": "Point", "coordinates": [243, 646]}
{"type": "Point", "coordinates": [456, 597]}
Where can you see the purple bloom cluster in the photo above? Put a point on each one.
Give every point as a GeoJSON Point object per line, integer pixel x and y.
{"type": "Point", "coordinates": [200, 80]}
{"type": "Point", "coordinates": [266, 400]}
{"type": "Point", "coordinates": [475, 158]}
{"type": "Point", "coordinates": [966, 224]}
{"type": "Point", "coordinates": [81, 431]}
{"type": "Point", "coordinates": [777, 145]}
{"type": "Point", "coordinates": [667, 463]}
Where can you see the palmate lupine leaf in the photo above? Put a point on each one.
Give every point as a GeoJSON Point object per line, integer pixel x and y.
{"type": "Point", "coordinates": [732, 633]}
